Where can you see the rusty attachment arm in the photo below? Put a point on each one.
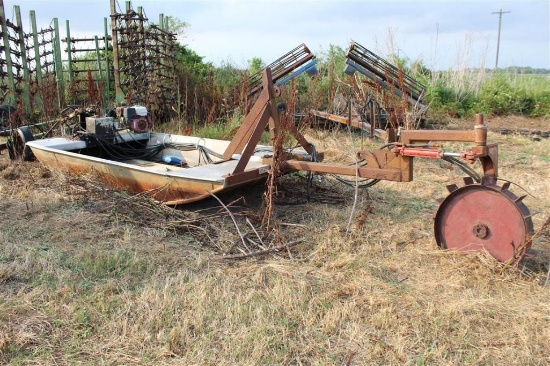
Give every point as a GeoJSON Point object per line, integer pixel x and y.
{"type": "Point", "coordinates": [263, 113]}
{"type": "Point", "coordinates": [396, 163]}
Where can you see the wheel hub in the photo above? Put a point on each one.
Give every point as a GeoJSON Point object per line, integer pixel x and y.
{"type": "Point", "coordinates": [480, 230]}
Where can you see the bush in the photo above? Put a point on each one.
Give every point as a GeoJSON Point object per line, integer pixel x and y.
{"type": "Point", "coordinates": [443, 99]}
{"type": "Point", "coordinates": [497, 96]}
{"type": "Point", "coordinates": [541, 107]}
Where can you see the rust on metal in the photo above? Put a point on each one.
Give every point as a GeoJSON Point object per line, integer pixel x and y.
{"type": "Point", "coordinates": [391, 174]}
{"type": "Point", "coordinates": [163, 188]}
{"type": "Point", "coordinates": [466, 222]}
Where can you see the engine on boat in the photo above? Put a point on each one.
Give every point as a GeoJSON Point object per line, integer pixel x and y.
{"type": "Point", "coordinates": [136, 118]}
{"type": "Point", "coordinates": [103, 127]}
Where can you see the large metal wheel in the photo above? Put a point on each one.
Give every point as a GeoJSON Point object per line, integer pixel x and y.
{"type": "Point", "coordinates": [484, 217]}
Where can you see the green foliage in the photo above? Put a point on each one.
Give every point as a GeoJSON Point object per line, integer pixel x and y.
{"type": "Point", "coordinates": [442, 98]}
{"type": "Point", "coordinates": [189, 61]}
{"type": "Point", "coordinates": [489, 93]}
{"type": "Point", "coordinates": [226, 76]}
{"type": "Point", "coordinates": [224, 130]}
{"type": "Point", "coordinates": [499, 97]}
{"type": "Point", "coordinates": [176, 25]}
{"type": "Point", "coordinates": [457, 93]}
{"type": "Point", "coordinates": [541, 107]}
{"type": "Point", "coordinates": [218, 130]}
{"type": "Point", "coordinates": [325, 86]}
{"type": "Point", "coordinates": [255, 65]}
{"type": "Point", "coordinates": [526, 70]}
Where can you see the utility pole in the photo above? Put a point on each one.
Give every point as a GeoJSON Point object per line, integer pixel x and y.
{"type": "Point", "coordinates": [500, 12]}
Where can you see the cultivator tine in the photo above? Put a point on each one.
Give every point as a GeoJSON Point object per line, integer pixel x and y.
{"type": "Point", "coordinates": [385, 75]}
{"type": "Point", "coordinates": [281, 70]}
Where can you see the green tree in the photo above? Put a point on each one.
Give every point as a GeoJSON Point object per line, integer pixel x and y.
{"type": "Point", "coordinates": [255, 65]}
{"type": "Point", "coordinates": [175, 25]}
{"type": "Point", "coordinates": [192, 62]}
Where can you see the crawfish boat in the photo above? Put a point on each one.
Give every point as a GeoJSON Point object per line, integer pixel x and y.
{"type": "Point", "coordinates": [174, 169]}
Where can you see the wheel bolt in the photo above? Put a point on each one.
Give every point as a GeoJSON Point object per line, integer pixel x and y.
{"type": "Point", "coordinates": [480, 231]}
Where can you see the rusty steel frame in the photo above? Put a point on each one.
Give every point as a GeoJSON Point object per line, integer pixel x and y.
{"type": "Point", "coordinates": [145, 61]}
{"type": "Point", "coordinates": [394, 164]}
{"type": "Point", "coordinates": [385, 74]}
{"type": "Point", "coordinates": [355, 122]}
{"type": "Point", "coordinates": [263, 113]}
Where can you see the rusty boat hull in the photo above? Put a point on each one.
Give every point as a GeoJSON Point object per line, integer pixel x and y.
{"type": "Point", "coordinates": [168, 183]}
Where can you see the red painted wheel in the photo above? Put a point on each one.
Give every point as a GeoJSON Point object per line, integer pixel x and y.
{"type": "Point", "coordinates": [480, 217]}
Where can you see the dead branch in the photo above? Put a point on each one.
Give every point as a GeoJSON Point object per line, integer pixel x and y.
{"type": "Point", "coordinates": [232, 217]}
{"type": "Point", "coordinates": [266, 251]}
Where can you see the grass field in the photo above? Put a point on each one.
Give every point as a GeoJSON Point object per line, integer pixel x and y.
{"type": "Point", "coordinates": [93, 276]}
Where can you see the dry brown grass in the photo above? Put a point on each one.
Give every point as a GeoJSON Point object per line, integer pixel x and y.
{"type": "Point", "coordinates": [83, 281]}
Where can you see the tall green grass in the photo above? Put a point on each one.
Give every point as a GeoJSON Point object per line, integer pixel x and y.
{"type": "Point", "coordinates": [463, 94]}
{"type": "Point", "coordinates": [209, 97]}
{"type": "Point", "coordinates": [224, 130]}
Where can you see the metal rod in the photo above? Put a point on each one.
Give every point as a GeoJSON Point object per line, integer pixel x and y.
{"type": "Point", "coordinates": [10, 97]}
{"type": "Point", "coordinates": [163, 46]}
{"type": "Point", "coordinates": [453, 154]}
{"type": "Point", "coordinates": [80, 60]}
{"type": "Point", "coordinates": [58, 64]}
{"type": "Point", "coordinates": [107, 89]}
{"type": "Point", "coordinates": [99, 71]}
{"type": "Point", "coordinates": [24, 63]}
{"type": "Point", "coordinates": [69, 53]}
{"type": "Point", "coordinates": [37, 61]}
{"type": "Point", "coordinates": [119, 95]}
{"type": "Point", "coordinates": [85, 39]}
{"type": "Point", "coordinates": [81, 49]}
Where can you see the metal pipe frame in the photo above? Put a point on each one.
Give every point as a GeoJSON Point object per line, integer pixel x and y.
{"type": "Point", "coordinates": [395, 164]}
{"type": "Point", "coordinates": [10, 97]}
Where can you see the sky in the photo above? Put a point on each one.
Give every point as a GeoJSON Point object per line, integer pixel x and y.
{"type": "Point", "coordinates": [443, 34]}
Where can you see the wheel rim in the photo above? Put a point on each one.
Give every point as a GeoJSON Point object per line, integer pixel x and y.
{"type": "Point", "coordinates": [490, 218]}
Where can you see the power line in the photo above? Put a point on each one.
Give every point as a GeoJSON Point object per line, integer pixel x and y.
{"type": "Point", "coordinates": [500, 12]}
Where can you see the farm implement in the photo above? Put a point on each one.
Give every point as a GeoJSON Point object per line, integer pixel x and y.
{"type": "Point", "coordinates": [394, 99]}
{"type": "Point", "coordinates": [479, 216]}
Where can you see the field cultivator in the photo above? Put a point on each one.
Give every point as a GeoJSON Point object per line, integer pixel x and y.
{"type": "Point", "coordinates": [393, 99]}
{"type": "Point", "coordinates": [480, 216]}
